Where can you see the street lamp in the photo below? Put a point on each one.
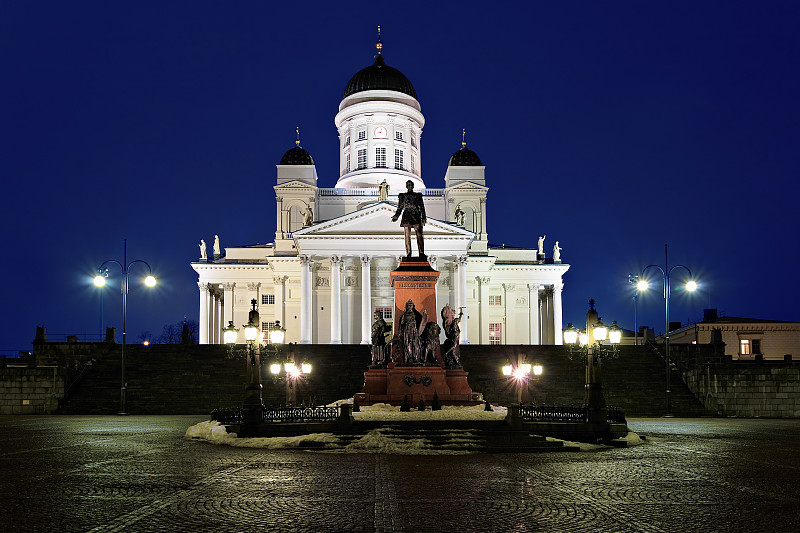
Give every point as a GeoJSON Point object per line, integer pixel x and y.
{"type": "Point", "coordinates": [578, 343]}
{"type": "Point", "coordinates": [520, 374]}
{"type": "Point", "coordinates": [291, 373]}
{"type": "Point", "coordinates": [633, 280]}
{"type": "Point", "coordinates": [690, 285]}
{"type": "Point", "coordinates": [100, 281]}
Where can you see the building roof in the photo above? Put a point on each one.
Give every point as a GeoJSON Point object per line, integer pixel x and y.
{"type": "Point", "coordinates": [379, 76]}
{"type": "Point", "coordinates": [742, 320]}
{"type": "Point", "coordinates": [297, 156]}
{"type": "Point", "coordinates": [465, 158]}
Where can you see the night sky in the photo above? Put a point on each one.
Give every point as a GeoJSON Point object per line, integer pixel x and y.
{"type": "Point", "coordinates": [612, 127]}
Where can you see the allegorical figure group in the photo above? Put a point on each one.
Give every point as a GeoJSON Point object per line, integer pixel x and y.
{"type": "Point", "coordinates": [417, 339]}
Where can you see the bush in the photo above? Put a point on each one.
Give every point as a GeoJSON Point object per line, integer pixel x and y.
{"type": "Point", "coordinates": [405, 406]}
{"type": "Point", "coordinates": [437, 404]}
{"type": "Point", "coordinates": [421, 406]}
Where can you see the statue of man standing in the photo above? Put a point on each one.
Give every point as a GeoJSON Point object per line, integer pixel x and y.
{"type": "Point", "coordinates": [410, 205]}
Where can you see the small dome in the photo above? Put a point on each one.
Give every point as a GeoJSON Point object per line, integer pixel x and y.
{"type": "Point", "coordinates": [297, 156]}
{"type": "Point", "coordinates": [465, 158]}
{"type": "Point", "coordinates": [379, 76]}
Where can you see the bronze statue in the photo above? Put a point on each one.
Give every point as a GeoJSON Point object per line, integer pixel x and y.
{"type": "Point", "coordinates": [413, 209]}
{"type": "Point", "coordinates": [452, 331]}
{"type": "Point", "coordinates": [411, 324]}
{"type": "Point", "coordinates": [430, 343]}
{"type": "Point", "coordinates": [379, 330]}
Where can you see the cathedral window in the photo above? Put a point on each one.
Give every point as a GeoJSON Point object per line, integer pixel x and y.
{"type": "Point", "coordinates": [744, 347]}
{"type": "Point", "coordinates": [347, 162]}
{"type": "Point", "coordinates": [380, 157]}
{"type": "Point", "coordinates": [266, 326]}
{"type": "Point", "coordinates": [347, 141]}
{"type": "Point", "coordinates": [398, 159]}
{"type": "Point", "coordinates": [495, 333]}
{"type": "Point", "coordinates": [362, 158]}
{"type": "Point", "coordinates": [413, 142]}
{"type": "Point", "coordinates": [362, 135]}
{"type": "Point", "coordinates": [495, 300]}
{"type": "Point", "coordinates": [267, 299]}
{"type": "Point", "coordinates": [398, 135]}
{"type": "Point", "coordinates": [386, 312]}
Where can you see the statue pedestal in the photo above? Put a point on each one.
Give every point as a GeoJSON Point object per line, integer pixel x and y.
{"type": "Point", "coordinates": [390, 385]}
{"type": "Point", "coordinates": [415, 280]}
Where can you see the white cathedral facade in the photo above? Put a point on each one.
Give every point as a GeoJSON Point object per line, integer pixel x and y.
{"type": "Point", "coordinates": [328, 268]}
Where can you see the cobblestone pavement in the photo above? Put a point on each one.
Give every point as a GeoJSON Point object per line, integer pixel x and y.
{"type": "Point", "coordinates": [139, 474]}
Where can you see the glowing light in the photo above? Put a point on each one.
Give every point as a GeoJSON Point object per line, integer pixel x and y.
{"type": "Point", "coordinates": [525, 367]}
{"type": "Point", "coordinates": [229, 334]}
{"type": "Point", "coordinates": [537, 370]}
{"type": "Point", "coordinates": [691, 285]}
{"type": "Point", "coordinates": [276, 334]}
{"type": "Point", "coordinates": [146, 343]}
{"type": "Point", "coordinates": [519, 374]}
{"type": "Point", "coordinates": [150, 281]}
{"type": "Point", "coordinates": [571, 336]}
{"type": "Point", "coordinates": [99, 280]}
{"type": "Point", "coordinates": [584, 339]}
{"type": "Point", "coordinates": [275, 368]}
{"type": "Point", "coordinates": [600, 332]}
{"type": "Point", "coordinates": [250, 332]}
{"type": "Point", "coordinates": [615, 336]}
{"type": "Point", "coordinates": [642, 285]}
{"type": "Point", "coordinates": [507, 370]}
{"type": "Point", "coordinates": [306, 368]}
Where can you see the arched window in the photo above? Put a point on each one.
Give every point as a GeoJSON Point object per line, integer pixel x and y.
{"type": "Point", "coordinates": [295, 218]}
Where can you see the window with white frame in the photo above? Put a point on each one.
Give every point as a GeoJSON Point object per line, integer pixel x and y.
{"type": "Point", "coordinates": [386, 312]}
{"type": "Point", "coordinates": [362, 135]}
{"type": "Point", "coordinates": [755, 344]}
{"type": "Point", "coordinates": [267, 299]}
{"type": "Point", "coordinates": [347, 162]}
{"type": "Point", "coordinates": [495, 333]}
{"type": "Point", "coordinates": [362, 158]}
{"type": "Point", "coordinates": [398, 135]}
{"type": "Point", "coordinates": [413, 142]}
{"type": "Point", "coordinates": [744, 347]}
{"type": "Point", "coordinates": [380, 157]}
{"type": "Point", "coordinates": [347, 141]}
{"type": "Point", "coordinates": [266, 326]}
{"type": "Point", "coordinates": [398, 159]}
{"type": "Point", "coordinates": [495, 300]}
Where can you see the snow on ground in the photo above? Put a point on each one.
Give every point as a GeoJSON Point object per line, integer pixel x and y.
{"type": "Point", "coordinates": [378, 440]}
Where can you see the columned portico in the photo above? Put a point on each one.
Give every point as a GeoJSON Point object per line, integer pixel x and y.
{"type": "Point", "coordinates": [336, 300]}
{"type": "Point", "coordinates": [366, 300]}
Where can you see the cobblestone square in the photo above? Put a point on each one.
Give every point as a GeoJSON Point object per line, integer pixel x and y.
{"type": "Point", "coordinates": [138, 473]}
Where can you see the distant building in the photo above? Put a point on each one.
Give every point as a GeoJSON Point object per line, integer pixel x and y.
{"type": "Point", "coordinates": [744, 338]}
{"type": "Point", "coordinates": [328, 268]}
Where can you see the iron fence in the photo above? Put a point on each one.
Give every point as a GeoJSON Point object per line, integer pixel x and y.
{"type": "Point", "coordinates": [278, 414]}
{"type": "Point", "coordinates": [567, 413]}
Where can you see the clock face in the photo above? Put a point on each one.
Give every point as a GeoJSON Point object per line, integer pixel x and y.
{"type": "Point", "coordinates": [380, 132]}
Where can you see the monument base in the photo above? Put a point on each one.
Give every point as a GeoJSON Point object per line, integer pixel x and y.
{"type": "Point", "coordinates": [390, 385]}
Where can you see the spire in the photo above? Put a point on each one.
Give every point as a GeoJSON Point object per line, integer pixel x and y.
{"type": "Point", "coordinates": [463, 136]}
{"type": "Point", "coordinates": [379, 44]}
{"type": "Point", "coordinates": [297, 142]}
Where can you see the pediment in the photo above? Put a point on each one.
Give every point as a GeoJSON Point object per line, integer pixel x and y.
{"type": "Point", "coordinates": [467, 186]}
{"type": "Point", "coordinates": [294, 185]}
{"type": "Point", "coordinates": [376, 219]}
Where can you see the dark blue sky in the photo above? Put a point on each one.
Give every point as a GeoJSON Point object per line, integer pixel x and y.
{"type": "Point", "coordinates": [612, 127]}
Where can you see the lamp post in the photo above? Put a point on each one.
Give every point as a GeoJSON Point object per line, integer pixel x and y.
{"type": "Point", "coordinates": [579, 342]}
{"type": "Point", "coordinates": [100, 281]}
{"type": "Point", "coordinates": [641, 286]}
{"type": "Point", "coordinates": [520, 374]}
{"type": "Point", "coordinates": [290, 371]}
{"type": "Point", "coordinates": [633, 279]}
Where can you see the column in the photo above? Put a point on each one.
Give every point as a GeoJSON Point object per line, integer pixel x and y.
{"type": "Point", "coordinates": [481, 310]}
{"type": "Point", "coordinates": [212, 316]}
{"type": "Point", "coordinates": [432, 260]}
{"type": "Point", "coordinates": [366, 300]}
{"type": "Point", "coordinates": [218, 313]}
{"type": "Point", "coordinates": [557, 318]}
{"type": "Point", "coordinates": [227, 307]}
{"type": "Point", "coordinates": [280, 296]}
{"type": "Point", "coordinates": [305, 299]}
{"type": "Point", "coordinates": [203, 322]}
{"type": "Point", "coordinates": [461, 262]}
{"type": "Point", "coordinates": [336, 300]}
{"type": "Point", "coordinates": [533, 313]}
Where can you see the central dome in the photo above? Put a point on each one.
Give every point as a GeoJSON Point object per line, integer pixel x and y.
{"type": "Point", "coordinates": [379, 76]}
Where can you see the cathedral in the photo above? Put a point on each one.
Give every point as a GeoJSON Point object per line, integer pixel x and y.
{"type": "Point", "coordinates": [328, 269]}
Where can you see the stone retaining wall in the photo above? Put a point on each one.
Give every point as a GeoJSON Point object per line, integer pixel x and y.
{"type": "Point", "coordinates": [26, 390]}
{"type": "Point", "coordinates": [748, 390]}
